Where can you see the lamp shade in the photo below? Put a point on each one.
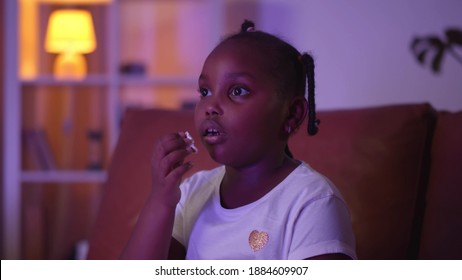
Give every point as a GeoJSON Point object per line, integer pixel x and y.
{"type": "Point", "coordinates": [70, 31]}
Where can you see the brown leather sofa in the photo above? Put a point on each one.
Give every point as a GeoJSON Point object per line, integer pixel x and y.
{"type": "Point", "coordinates": [399, 168]}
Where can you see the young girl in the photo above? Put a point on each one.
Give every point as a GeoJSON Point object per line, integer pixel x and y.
{"type": "Point", "coordinates": [261, 203]}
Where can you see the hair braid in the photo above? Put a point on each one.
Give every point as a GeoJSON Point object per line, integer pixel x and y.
{"type": "Point", "coordinates": [313, 123]}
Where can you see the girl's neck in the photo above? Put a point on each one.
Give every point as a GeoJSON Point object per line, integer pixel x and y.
{"type": "Point", "coordinates": [241, 186]}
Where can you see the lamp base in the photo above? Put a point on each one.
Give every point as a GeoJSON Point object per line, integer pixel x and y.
{"type": "Point", "coordinates": [70, 66]}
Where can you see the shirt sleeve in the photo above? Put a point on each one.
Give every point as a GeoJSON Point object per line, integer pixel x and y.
{"type": "Point", "coordinates": [179, 227]}
{"type": "Point", "coordinates": [323, 227]}
{"type": "Point", "coordinates": [195, 190]}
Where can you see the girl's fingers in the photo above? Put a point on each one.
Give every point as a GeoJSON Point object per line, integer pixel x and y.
{"type": "Point", "coordinates": [166, 145]}
{"type": "Point", "coordinates": [177, 173]}
{"type": "Point", "coordinates": [172, 142]}
{"type": "Point", "coordinates": [170, 152]}
{"type": "Point", "coordinates": [169, 143]}
{"type": "Point", "coordinates": [173, 159]}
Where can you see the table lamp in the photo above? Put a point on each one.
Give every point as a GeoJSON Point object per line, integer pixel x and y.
{"type": "Point", "coordinates": [70, 33]}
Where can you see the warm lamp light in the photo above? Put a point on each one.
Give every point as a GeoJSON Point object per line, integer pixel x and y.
{"type": "Point", "coordinates": [70, 33]}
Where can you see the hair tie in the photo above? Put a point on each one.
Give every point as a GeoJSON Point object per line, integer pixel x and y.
{"type": "Point", "coordinates": [247, 26]}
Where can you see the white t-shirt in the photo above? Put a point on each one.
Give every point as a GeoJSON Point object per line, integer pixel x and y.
{"type": "Point", "coordinates": [302, 217]}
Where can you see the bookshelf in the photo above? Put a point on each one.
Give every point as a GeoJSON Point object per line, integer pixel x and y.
{"type": "Point", "coordinates": [161, 36]}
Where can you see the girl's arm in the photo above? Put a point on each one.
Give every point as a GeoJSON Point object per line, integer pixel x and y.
{"type": "Point", "coordinates": [151, 237]}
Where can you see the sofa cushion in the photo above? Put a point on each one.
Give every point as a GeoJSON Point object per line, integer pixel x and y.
{"type": "Point", "coordinates": [442, 228]}
{"type": "Point", "coordinates": [376, 157]}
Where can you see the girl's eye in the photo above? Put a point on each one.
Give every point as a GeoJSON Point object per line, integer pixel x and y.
{"type": "Point", "coordinates": [239, 91]}
{"type": "Point", "coordinates": [204, 92]}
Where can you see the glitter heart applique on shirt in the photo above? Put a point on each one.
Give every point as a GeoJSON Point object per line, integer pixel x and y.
{"type": "Point", "coordinates": [258, 240]}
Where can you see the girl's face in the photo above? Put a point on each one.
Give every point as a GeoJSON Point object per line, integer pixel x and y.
{"type": "Point", "coordinates": [240, 116]}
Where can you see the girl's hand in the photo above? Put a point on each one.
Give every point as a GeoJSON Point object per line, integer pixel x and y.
{"type": "Point", "coordinates": [168, 166]}
{"type": "Point", "coordinates": [152, 234]}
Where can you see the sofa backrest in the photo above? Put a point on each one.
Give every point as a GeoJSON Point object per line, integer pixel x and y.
{"type": "Point", "coordinates": [377, 157]}
{"type": "Point", "coordinates": [442, 224]}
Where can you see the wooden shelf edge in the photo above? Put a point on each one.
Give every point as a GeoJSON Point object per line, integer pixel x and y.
{"type": "Point", "coordinates": [58, 176]}
{"type": "Point", "coordinates": [160, 80]}
{"type": "Point", "coordinates": [103, 80]}
{"type": "Point", "coordinates": [49, 80]}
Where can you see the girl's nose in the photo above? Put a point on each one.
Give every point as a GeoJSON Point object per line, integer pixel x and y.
{"type": "Point", "coordinates": [213, 107]}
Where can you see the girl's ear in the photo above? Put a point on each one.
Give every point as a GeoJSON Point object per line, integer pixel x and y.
{"type": "Point", "coordinates": [298, 109]}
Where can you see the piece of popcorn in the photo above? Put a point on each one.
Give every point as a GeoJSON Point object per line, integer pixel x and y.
{"type": "Point", "coordinates": [192, 146]}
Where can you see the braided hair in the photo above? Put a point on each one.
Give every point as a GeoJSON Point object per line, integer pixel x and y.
{"type": "Point", "coordinates": [293, 71]}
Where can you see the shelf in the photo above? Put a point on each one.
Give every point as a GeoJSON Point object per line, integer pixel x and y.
{"type": "Point", "coordinates": [49, 80]}
{"type": "Point", "coordinates": [127, 80]}
{"type": "Point", "coordinates": [103, 80]}
{"type": "Point", "coordinates": [161, 35]}
{"type": "Point", "coordinates": [83, 176]}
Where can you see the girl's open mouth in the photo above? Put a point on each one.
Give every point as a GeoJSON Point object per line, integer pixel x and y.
{"type": "Point", "coordinates": [211, 132]}
{"type": "Point", "coordinates": [213, 135]}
